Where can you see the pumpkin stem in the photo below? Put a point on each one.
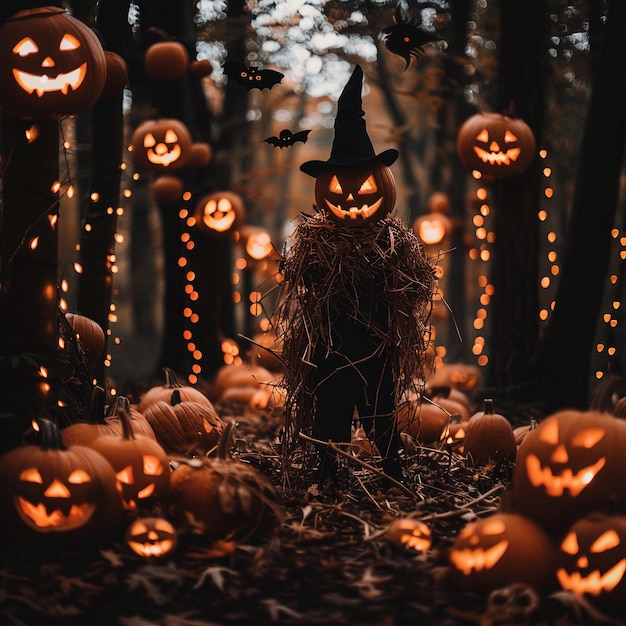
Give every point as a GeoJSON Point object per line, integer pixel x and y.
{"type": "Point", "coordinates": [226, 439]}
{"type": "Point", "coordinates": [175, 399]}
{"type": "Point", "coordinates": [488, 406]}
{"type": "Point", "coordinates": [171, 380]}
{"type": "Point", "coordinates": [50, 435]}
{"type": "Point", "coordinates": [122, 410]}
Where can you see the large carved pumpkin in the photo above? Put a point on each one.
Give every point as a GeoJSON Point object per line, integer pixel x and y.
{"type": "Point", "coordinates": [51, 64]}
{"type": "Point", "coordinates": [356, 194]}
{"type": "Point", "coordinates": [496, 145]}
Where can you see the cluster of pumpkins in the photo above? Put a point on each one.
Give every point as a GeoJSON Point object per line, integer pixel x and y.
{"type": "Point", "coordinates": [564, 523]}
{"type": "Point", "coordinates": [145, 470]}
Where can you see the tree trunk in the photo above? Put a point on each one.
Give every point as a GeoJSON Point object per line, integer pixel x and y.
{"type": "Point", "coordinates": [514, 307]}
{"type": "Point", "coordinates": [561, 366]}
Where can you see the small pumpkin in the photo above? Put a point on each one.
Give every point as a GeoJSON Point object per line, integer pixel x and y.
{"type": "Point", "coordinates": [463, 376]}
{"type": "Point", "coordinates": [496, 145]}
{"type": "Point", "coordinates": [222, 498]}
{"type": "Point", "coordinates": [591, 561]}
{"type": "Point", "coordinates": [51, 64]}
{"type": "Point", "coordinates": [166, 60]}
{"type": "Point", "coordinates": [90, 335]}
{"type": "Point", "coordinates": [187, 393]}
{"type": "Point", "coordinates": [357, 194]}
{"type": "Point", "coordinates": [569, 465]}
{"type": "Point", "coordinates": [184, 427]}
{"type": "Point", "coordinates": [117, 75]}
{"type": "Point", "coordinates": [410, 533]}
{"type": "Point", "coordinates": [151, 537]}
{"type": "Point", "coordinates": [219, 212]}
{"type": "Point", "coordinates": [55, 492]}
{"type": "Point", "coordinates": [161, 145]}
{"type": "Point", "coordinates": [167, 189]}
{"type": "Point", "coordinates": [422, 420]}
{"type": "Point", "coordinates": [489, 437]}
{"type": "Point", "coordinates": [140, 463]}
{"type": "Point", "coordinates": [502, 549]}
{"type": "Point", "coordinates": [245, 375]}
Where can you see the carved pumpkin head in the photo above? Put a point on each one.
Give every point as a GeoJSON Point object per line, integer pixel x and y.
{"type": "Point", "coordinates": [52, 64]}
{"type": "Point", "coordinates": [356, 194]}
{"type": "Point", "coordinates": [495, 145]}
{"type": "Point", "coordinates": [151, 537]}
{"type": "Point", "coordinates": [502, 549]}
{"type": "Point", "coordinates": [592, 559]}
{"type": "Point", "coordinates": [567, 467]}
{"type": "Point", "coordinates": [50, 490]}
{"type": "Point", "coordinates": [163, 144]}
{"type": "Point", "coordinates": [355, 185]}
{"type": "Point", "coordinates": [219, 212]}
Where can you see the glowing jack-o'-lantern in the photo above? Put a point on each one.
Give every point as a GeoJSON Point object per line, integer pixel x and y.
{"type": "Point", "coordinates": [592, 559]}
{"type": "Point", "coordinates": [356, 194]}
{"type": "Point", "coordinates": [500, 550]}
{"type": "Point", "coordinates": [495, 145]}
{"type": "Point", "coordinates": [567, 466]}
{"type": "Point", "coordinates": [140, 463]}
{"type": "Point", "coordinates": [410, 533]}
{"type": "Point", "coordinates": [432, 228]}
{"type": "Point", "coordinates": [151, 537]}
{"type": "Point", "coordinates": [50, 490]}
{"type": "Point", "coordinates": [51, 64]}
{"type": "Point", "coordinates": [219, 212]}
{"type": "Point", "coordinates": [163, 144]}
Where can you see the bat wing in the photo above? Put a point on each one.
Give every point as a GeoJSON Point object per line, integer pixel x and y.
{"type": "Point", "coordinates": [274, 141]}
{"type": "Point", "coordinates": [302, 136]}
{"type": "Point", "coordinates": [269, 78]}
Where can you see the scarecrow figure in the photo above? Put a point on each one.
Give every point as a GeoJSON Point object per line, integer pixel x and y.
{"type": "Point", "coordinates": [354, 301]}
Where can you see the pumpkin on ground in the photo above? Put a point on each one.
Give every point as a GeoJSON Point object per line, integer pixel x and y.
{"type": "Point", "coordinates": [591, 560]}
{"type": "Point", "coordinates": [422, 420]}
{"type": "Point", "coordinates": [410, 533]}
{"type": "Point", "coordinates": [223, 498]}
{"type": "Point", "coordinates": [89, 335]}
{"type": "Point", "coordinates": [489, 437]}
{"type": "Point", "coordinates": [502, 549]}
{"type": "Point", "coordinates": [571, 464]}
{"type": "Point", "coordinates": [140, 463]}
{"type": "Point", "coordinates": [51, 64]}
{"type": "Point", "coordinates": [184, 427]}
{"type": "Point", "coordinates": [187, 393]}
{"type": "Point", "coordinates": [249, 376]}
{"type": "Point", "coordinates": [55, 492]}
{"type": "Point", "coordinates": [103, 420]}
{"type": "Point", "coordinates": [151, 537]}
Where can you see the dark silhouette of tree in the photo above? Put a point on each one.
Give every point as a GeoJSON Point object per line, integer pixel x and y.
{"type": "Point", "coordinates": [560, 368]}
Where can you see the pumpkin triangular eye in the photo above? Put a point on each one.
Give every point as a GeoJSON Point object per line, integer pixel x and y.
{"type": "Point", "coordinates": [171, 137]}
{"type": "Point", "coordinates": [550, 432]}
{"type": "Point", "coordinates": [152, 465]}
{"type": "Point", "coordinates": [509, 137]}
{"type": "Point", "coordinates": [369, 185]}
{"type": "Point", "coordinates": [78, 477]}
{"type": "Point", "coordinates": [570, 544]}
{"type": "Point", "coordinates": [483, 135]}
{"type": "Point", "coordinates": [149, 141]}
{"type": "Point", "coordinates": [69, 42]}
{"type": "Point", "coordinates": [494, 527]}
{"type": "Point", "coordinates": [139, 528]}
{"type": "Point", "coordinates": [335, 186]}
{"type": "Point", "coordinates": [31, 475]}
{"type": "Point", "coordinates": [588, 437]}
{"type": "Point", "coordinates": [125, 475]}
{"type": "Point", "coordinates": [25, 47]}
{"type": "Point", "coordinates": [606, 541]}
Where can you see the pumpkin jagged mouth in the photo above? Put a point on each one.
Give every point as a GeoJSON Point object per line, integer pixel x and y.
{"type": "Point", "coordinates": [165, 157]}
{"type": "Point", "coordinates": [354, 212]}
{"type": "Point", "coordinates": [594, 583]}
{"type": "Point", "coordinates": [555, 484]}
{"type": "Point", "coordinates": [41, 84]}
{"type": "Point", "coordinates": [497, 158]}
{"type": "Point", "coordinates": [478, 559]}
{"type": "Point", "coordinates": [37, 516]}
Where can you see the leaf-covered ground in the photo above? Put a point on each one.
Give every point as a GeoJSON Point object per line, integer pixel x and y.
{"type": "Point", "coordinates": [329, 561]}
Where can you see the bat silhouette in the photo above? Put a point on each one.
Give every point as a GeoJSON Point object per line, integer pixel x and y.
{"type": "Point", "coordinates": [406, 39]}
{"type": "Point", "coordinates": [286, 138]}
{"type": "Point", "coordinates": [251, 77]}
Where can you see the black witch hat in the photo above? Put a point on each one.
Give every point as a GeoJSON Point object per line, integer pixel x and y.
{"type": "Point", "coordinates": [351, 145]}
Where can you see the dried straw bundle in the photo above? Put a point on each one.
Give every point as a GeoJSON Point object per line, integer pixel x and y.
{"type": "Point", "coordinates": [377, 275]}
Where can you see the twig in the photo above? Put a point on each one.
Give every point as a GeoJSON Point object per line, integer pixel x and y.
{"type": "Point", "coordinates": [331, 446]}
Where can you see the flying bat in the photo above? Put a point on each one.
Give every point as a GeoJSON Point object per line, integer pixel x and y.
{"type": "Point", "coordinates": [286, 138]}
{"type": "Point", "coordinates": [250, 77]}
{"type": "Point", "coordinates": [406, 39]}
